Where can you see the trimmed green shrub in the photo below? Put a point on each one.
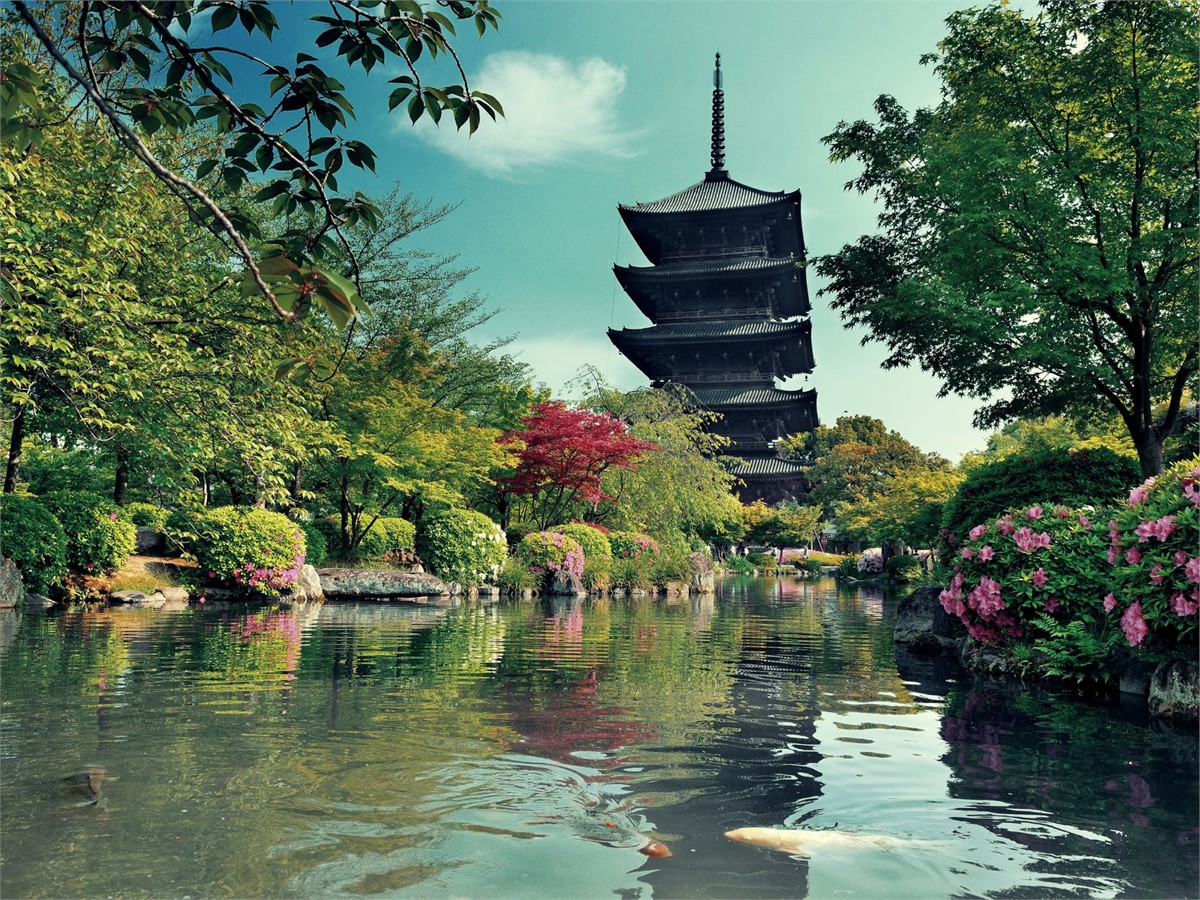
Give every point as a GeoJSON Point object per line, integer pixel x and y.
{"type": "Point", "coordinates": [595, 543]}
{"type": "Point", "coordinates": [461, 545]}
{"type": "Point", "coordinates": [1069, 477]}
{"type": "Point", "coordinates": [631, 545]}
{"type": "Point", "coordinates": [903, 568]}
{"type": "Point", "coordinates": [98, 539]}
{"type": "Point", "coordinates": [764, 561]}
{"type": "Point", "coordinates": [825, 559]}
{"type": "Point", "coordinates": [255, 549]}
{"type": "Point", "coordinates": [181, 528]}
{"type": "Point", "coordinates": [331, 528]}
{"type": "Point", "coordinates": [387, 534]}
{"type": "Point", "coordinates": [315, 548]}
{"type": "Point", "coordinates": [146, 515]}
{"type": "Point", "coordinates": [33, 539]}
{"type": "Point", "coordinates": [547, 552]}
{"type": "Point", "coordinates": [738, 565]}
{"type": "Point", "coordinates": [1154, 552]}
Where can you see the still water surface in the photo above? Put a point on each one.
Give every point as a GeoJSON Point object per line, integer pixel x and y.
{"type": "Point", "coordinates": [527, 749]}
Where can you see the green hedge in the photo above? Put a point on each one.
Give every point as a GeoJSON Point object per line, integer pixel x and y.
{"type": "Point", "coordinates": [387, 534]}
{"type": "Point", "coordinates": [315, 548]}
{"type": "Point", "coordinates": [33, 539]}
{"type": "Point", "coordinates": [251, 548]}
{"type": "Point", "coordinates": [146, 515]}
{"type": "Point", "coordinates": [461, 545]}
{"type": "Point", "coordinates": [1069, 477]}
{"type": "Point", "coordinates": [98, 539]}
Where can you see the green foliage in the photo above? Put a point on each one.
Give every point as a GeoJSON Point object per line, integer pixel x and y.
{"type": "Point", "coordinates": [98, 539]}
{"type": "Point", "coordinates": [316, 550]}
{"type": "Point", "coordinates": [255, 549]}
{"type": "Point", "coordinates": [1034, 246]}
{"type": "Point", "coordinates": [181, 527]}
{"type": "Point", "coordinates": [781, 526]}
{"type": "Point", "coordinates": [762, 561]}
{"type": "Point", "coordinates": [739, 565]}
{"type": "Point", "coordinates": [595, 543]}
{"type": "Point", "coordinates": [515, 575]}
{"type": "Point", "coordinates": [45, 468]}
{"type": "Point", "coordinates": [848, 567]}
{"type": "Point", "coordinates": [632, 573]}
{"type": "Point", "coordinates": [33, 539]}
{"type": "Point", "coordinates": [1154, 549]}
{"type": "Point", "coordinates": [903, 568]}
{"type": "Point", "coordinates": [461, 545]}
{"type": "Point", "coordinates": [1076, 650]}
{"type": "Point", "coordinates": [163, 70]}
{"type": "Point", "coordinates": [908, 507]}
{"type": "Point", "coordinates": [672, 566]}
{"type": "Point", "coordinates": [631, 545]}
{"type": "Point", "coordinates": [388, 533]}
{"type": "Point", "coordinates": [825, 559]}
{"type": "Point", "coordinates": [147, 515]}
{"type": "Point", "coordinates": [1074, 478]}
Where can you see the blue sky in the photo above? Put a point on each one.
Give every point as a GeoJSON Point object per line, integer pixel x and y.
{"type": "Point", "coordinates": [609, 102]}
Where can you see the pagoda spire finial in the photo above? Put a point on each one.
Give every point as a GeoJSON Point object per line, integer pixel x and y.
{"type": "Point", "coordinates": [718, 125]}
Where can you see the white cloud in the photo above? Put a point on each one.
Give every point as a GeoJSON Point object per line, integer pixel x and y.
{"type": "Point", "coordinates": [555, 112]}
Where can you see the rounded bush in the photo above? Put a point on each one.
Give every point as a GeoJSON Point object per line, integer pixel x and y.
{"type": "Point", "coordinates": [547, 552]}
{"type": "Point", "coordinates": [1154, 554]}
{"type": "Point", "coordinates": [147, 515]}
{"type": "Point", "coordinates": [1068, 477]}
{"type": "Point", "coordinates": [870, 561]}
{"type": "Point", "coordinates": [315, 548]}
{"type": "Point", "coordinates": [181, 527]}
{"type": "Point", "coordinates": [251, 548]}
{"type": "Point", "coordinates": [33, 539]}
{"type": "Point", "coordinates": [903, 568]}
{"type": "Point", "coordinates": [462, 545]}
{"type": "Point", "coordinates": [98, 539]}
{"type": "Point", "coordinates": [631, 545]}
{"type": "Point", "coordinates": [595, 543]}
{"type": "Point", "coordinates": [387, 534]}
{"type": "Point", "coordinates": [331, 528]}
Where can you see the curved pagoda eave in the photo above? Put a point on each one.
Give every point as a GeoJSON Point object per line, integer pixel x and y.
{"type": "Point", "coordinates": [790, 341]}
{"type": "Point", "coordinates": [647, 286]}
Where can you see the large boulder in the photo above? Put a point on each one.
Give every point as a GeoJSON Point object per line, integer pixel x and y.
{"type": "Point", "coordinates": [1174, 693]}
{"type": "Point", "coordinates": [150, 541]}
{"type": "Point", "coordinates": [566, 584]}
{"type": "Point", "coordinates": [377, 584]}
{"type": "Point", "coordinates": [308, 587]}
{"type": "Point", "coordinates": [923, 626]}
{"type": "Point", "coordinates": [12, 586]}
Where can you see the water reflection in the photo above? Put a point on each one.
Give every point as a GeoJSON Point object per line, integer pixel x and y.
{"type": "Point", "coordinates": [530, 748]}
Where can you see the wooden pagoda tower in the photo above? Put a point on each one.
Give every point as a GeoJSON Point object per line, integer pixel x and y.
{"type": "Point", "coordinates": [727, 293]}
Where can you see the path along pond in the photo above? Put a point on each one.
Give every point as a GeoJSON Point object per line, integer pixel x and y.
{"type": "Point", "coordinates": [528, 749]}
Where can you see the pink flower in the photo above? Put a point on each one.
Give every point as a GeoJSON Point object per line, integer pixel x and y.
{"type": "Point", "coordinates": [1134, 556]}
{"type": "Point", "coordinates": [977, 532]}
{"type": "Point", "coordinates": [1004, 524]}
{"type": "Point", "coordinates": [1181, 557]}
{"type": "Point", "coordinates": [1061, 512]}
{"type": "Point", "coordinates": [1181, 605]}
{"type": "Point", "coordinates": [1145, 530]}
{"type": "Point", "coordinates": [1110, 602]}
{"type": "Point", "coordinates": [1139, 494]}
{"type": "Point", "coordinates": [113, 516]}
{"type": "Point", "coordinates": [1034, 512]}
{"type": "Point", "coordinates": [1164, 527]}
{"type": "Point", "coordinates": [986, 552]}
{"type": "Point", "coordinates": [1039, 577]}
{"type": "Point", "coordinates": [968, 553]}
{"type": "Point", "coordinates": [1113, 553]}
{"type": "Point", "coordinates": [1051, 604]}
{"type": "Point", "coordinates": [1192, 570]}
{"type": "Point", "coordinates": [1156, 574]}
{"type": "Point", "coordinates": [1134, 625]}
{"type": "Point", "coordinates": [1085, 522]}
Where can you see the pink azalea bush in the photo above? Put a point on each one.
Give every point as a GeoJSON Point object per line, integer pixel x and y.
{"type": "Point", "coordinates": [870, 561]}
{"type": "Point", "coordinates": [631, 545]}
{"type": "Point", "coordinates": [1020, 574]}
{"type": "Point", "coordinates": [1153, 552]}
{"type": "Point", "coordinates": [255, 549]}
{"type": "Point", "coordinates": [548, 552]}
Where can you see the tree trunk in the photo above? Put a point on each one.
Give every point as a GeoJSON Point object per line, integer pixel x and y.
{"type": "Point", "coordinates": [296, 484]}
{"type": "Point", "coordinates": [345, 511]}
{"type": "Point", "coordinates": [1150, 452]}
{"type": "Point", "coordinates": [15, 444]}
{"type": "Point", "coordinates": [121, 479]}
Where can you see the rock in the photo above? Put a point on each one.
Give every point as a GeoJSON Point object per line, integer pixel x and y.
{"type": "Point", "coordinates": [1135, 678]}
{"type": "Point", "coordinates": [923, 626]}
{"type": "Point", "coordinates": [37, 601]}
{"type": "Point", "coordinates": [307, 589]}
{"type": "Point", "coordinates": [566, 584]}
{"type": "Point", "coordinates": [12, 586]}
{"type": "Point", "coordinates": [380, 584]}
{"type": "Point", "coordinates": [1175, 693]}
{"type": "Point", "coordinates": [174, 594]}
{"type": "Point", "coordinates": [675, 588]}
{"type": "Point", "coordinates": [704, 583]}
{"type": "Point", "coordinates": [150, 542]}
{"type": "Point", "coordinates": [133, 598]}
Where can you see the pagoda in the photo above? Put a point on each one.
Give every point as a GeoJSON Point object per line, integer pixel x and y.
{"type": "Point", "coordinates": [727, 292]}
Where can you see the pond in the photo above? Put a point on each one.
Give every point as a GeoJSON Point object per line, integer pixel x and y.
{"type": "Point", "coordinates": [531, 748]}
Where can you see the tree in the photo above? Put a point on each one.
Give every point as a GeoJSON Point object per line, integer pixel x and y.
{"type": "Point", "coordinates": [908, 507]}
{"type": "Point", "coordinates": [781, 526]}
{"type": "Point", "coordinates": [1038, 246]}
{"type": "Point", "coordinates": [149, 68]}
{"type": "Point", "coordinates": [563, 455]}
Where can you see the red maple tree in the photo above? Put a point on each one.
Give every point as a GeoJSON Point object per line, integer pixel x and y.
{"type": "Point", "coordinates": [566, 451]}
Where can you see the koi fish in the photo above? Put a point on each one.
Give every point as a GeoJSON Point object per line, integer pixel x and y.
{"type": "Point", "coordinates": [801, 842]}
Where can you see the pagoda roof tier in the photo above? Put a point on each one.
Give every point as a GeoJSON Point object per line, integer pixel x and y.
{"type": "Point", "coordinates": [765, 467]}
{"type": "Point", "coordinates": [716, 192]}
{"type": "Point", "coordinates": [682, 290]}
{"type": "Point", "coordinates": [790, 340]}
{"type": "Point", "coordinates": [729, 398]}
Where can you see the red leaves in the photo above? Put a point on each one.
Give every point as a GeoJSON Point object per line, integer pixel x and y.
{"type": "Point", "coordinates": [567, 450]}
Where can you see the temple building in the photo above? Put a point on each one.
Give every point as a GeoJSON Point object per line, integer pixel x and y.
{"type": "Point", "coordinates": [727, 292]}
